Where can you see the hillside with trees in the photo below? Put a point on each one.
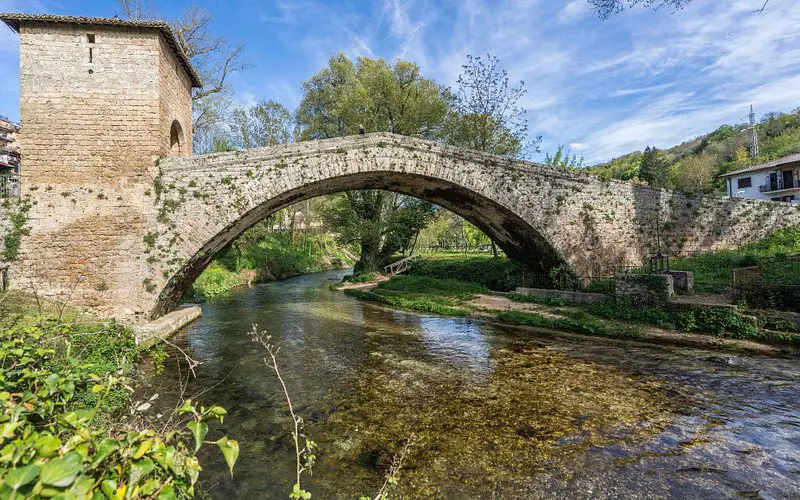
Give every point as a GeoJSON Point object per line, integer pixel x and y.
{"type": "Point", "coordinates": [695, 165]}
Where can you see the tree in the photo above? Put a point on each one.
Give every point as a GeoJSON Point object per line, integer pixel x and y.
{"type": "Point", "coordinates": [564, 158]}
{"type": "Point", "coordinates": [267, 123]}
{"type": "Point", "coordinates": [345, 96]}
{"type": "Point", "coordinates": [696, 174]}
{"type": "Point", "coordinates": [486, 115]}
{"type": "Point", "coordinates": [654, 168]}
{"type": "Point", "coordinates": [607, 8]}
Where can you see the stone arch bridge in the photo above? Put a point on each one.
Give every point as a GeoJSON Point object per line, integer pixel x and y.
{"type": "Point", "coordinates": [162, 234]}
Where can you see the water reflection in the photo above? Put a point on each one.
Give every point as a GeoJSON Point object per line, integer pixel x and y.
{"type": "Point", "coordinates": [500, 411]}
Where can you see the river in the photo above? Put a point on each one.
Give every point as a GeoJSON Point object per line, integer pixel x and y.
{"type": "Point", "coordinates": [496, 411]}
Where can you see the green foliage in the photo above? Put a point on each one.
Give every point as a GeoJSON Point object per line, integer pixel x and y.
{"type": "Point", "coordinates": [712, 271]}
{"type": "Point", "coordinates": [426, 304]}
{"type": "Point", "coordinates": [531, 299]}
{"type": "Point", "coordinates": [420, 293]}
{"type": "Point", "coordinates": [495, 274]}
{"type": "Point", "coordinates": [267, 123]}
{"type": "Point", "coordinates": [17, 213]}
{"type": "Point", "coordinates": [585, 326]}
{"type": "Point", "coordinates": [695, 165]}
{"type": "Point", "coordinates": [360, 278]}
{"type": "Point", "coordinates": [564, 158]}
{"type": "Point", "coordinates": [432, 286]}
{"type": "Point", "coordinates": [58, 385]}
{"type": "Point", "coordinates": [216, 280]}
{"type": "Point", "coordinates": [382, 223]}
{"type": "Point", "coordinates": [654, 168]}
{"type": "Point", "coordinates": [269, 255]}
{"type": "Point", "coordinates": [373, 94]}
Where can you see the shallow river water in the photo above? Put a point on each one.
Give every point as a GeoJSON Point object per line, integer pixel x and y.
{"type": "Point", "coordinates": [496, 411]}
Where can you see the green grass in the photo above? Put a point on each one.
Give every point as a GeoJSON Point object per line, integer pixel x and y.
{"type": "Point", "coordinates": [423, 285]}
{"type": "Point", "coordinates": [419, 303]}
{"type": "Point", "coordinates": [584, 325]}
{"type": "Point", "coordinates": [545, 301]}
{"type": "Point", "coordinates": [712, 272]}
{"type": "Point", "coordinates": [422, 293]}
{"type": "Point", "coordinates": [499, 274]}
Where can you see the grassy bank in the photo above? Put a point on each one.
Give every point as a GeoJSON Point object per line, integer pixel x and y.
{"type": "Point", "coordinates": [422, 293]}
{"type": "Point", "coordinates": [455, 298]}
{"type": "Point", "coordinates": [65, 426]}
{"type": "Point", "coordinates": [271, 257]}
{"type": "Point", "coordinates": [501, 274]}
{"type": "Point", "coordinates": [712, 271]}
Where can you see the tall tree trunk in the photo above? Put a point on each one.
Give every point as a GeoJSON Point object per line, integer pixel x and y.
{"type": "Point", "coordinates": [369, 258]}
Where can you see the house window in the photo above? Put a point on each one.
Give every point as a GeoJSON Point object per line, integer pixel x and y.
{"type": "Point", "coordinates": [90, 37]}
{"type": "Point", "coordinates": [744, 182]}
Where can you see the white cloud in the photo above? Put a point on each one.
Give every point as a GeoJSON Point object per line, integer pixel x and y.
{"type": "Point", "coordinates": [578, 146]}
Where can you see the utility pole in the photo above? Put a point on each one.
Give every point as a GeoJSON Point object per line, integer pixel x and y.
{"type": "Point", "coordinates": [754, 134]}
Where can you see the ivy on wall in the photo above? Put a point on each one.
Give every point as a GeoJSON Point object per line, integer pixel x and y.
{"type": "Point", "coordinates": [17, 213]}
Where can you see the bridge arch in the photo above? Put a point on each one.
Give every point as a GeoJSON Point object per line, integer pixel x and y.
{"type": "Point", "coordinates": [134, 246]}
{"type": "Point", "coordinates": [518, 239]}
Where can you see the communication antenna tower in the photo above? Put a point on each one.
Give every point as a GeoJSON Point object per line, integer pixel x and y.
{"type": "Point", "coordinates": [754, 134]}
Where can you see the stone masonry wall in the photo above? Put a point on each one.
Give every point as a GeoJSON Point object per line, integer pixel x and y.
{"type": "Point", "coordinates": [175, 100]}
{"type": "Point", "coordinates": [644, 289]}
{"type": "Point", "coordinates": [91, 136]}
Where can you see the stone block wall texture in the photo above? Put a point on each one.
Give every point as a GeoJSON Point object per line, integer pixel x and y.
{"type": "Point", "coordinates": [644, 289]}
{"type": "Point", "coordinates": [683, 281]}
{"type": "Point", "coordinates": [92, 132]}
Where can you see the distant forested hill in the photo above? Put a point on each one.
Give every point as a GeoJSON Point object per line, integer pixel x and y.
{"type": "Point", "coordinates": [696, 164]}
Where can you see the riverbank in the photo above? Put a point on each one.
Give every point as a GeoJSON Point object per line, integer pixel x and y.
{"type": "Point", "coordinates": [698, 327]}
{"type": "Point", "coordinates": [272, 256]}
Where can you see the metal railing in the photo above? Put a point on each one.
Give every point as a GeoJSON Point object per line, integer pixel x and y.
{"type": "Point", "coordinates": [9, 186]}
{"type": "Point", "coordinates": [779, 185]}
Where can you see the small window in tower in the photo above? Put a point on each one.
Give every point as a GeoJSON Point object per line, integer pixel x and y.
{"type": "Point", "coordinates": [91, 54]}
{"type": "Point", "coordinates": [90, 37]}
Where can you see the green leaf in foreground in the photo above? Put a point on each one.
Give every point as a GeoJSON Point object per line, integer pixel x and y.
{"type": "Point", "coordinates": [61, 472]}
{"type": "Point", "coordinates": [199, 430]}
{"type": "Point", "coordinates": [230, 450]}
{"type": "Point", "coordinates": [18, 478]}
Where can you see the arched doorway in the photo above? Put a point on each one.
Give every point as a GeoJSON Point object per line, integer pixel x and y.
{"type": "Point", "coordinates": [176, 139]}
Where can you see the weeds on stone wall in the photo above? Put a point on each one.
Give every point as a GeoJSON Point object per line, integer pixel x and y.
{"type": "Point", "coordinates": [17, 214]}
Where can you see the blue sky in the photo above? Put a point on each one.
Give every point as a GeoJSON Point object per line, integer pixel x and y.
{"type": "Point", "coordinates": [604, 87]}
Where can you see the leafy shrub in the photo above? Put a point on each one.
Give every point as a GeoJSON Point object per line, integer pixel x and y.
{"type": "Point", "coordinates": [214, 281]}
{"type": "Point", "coordinates": [771, 296]}
{"type": "Point", "coordinates": [52, 441]}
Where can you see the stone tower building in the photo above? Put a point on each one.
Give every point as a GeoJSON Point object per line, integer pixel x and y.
{"type": "Point", "coordinates": [101, 101]}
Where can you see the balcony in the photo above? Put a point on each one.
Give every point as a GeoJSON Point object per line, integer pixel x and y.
{"type": "Point", "coordinates": [780, 185]}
